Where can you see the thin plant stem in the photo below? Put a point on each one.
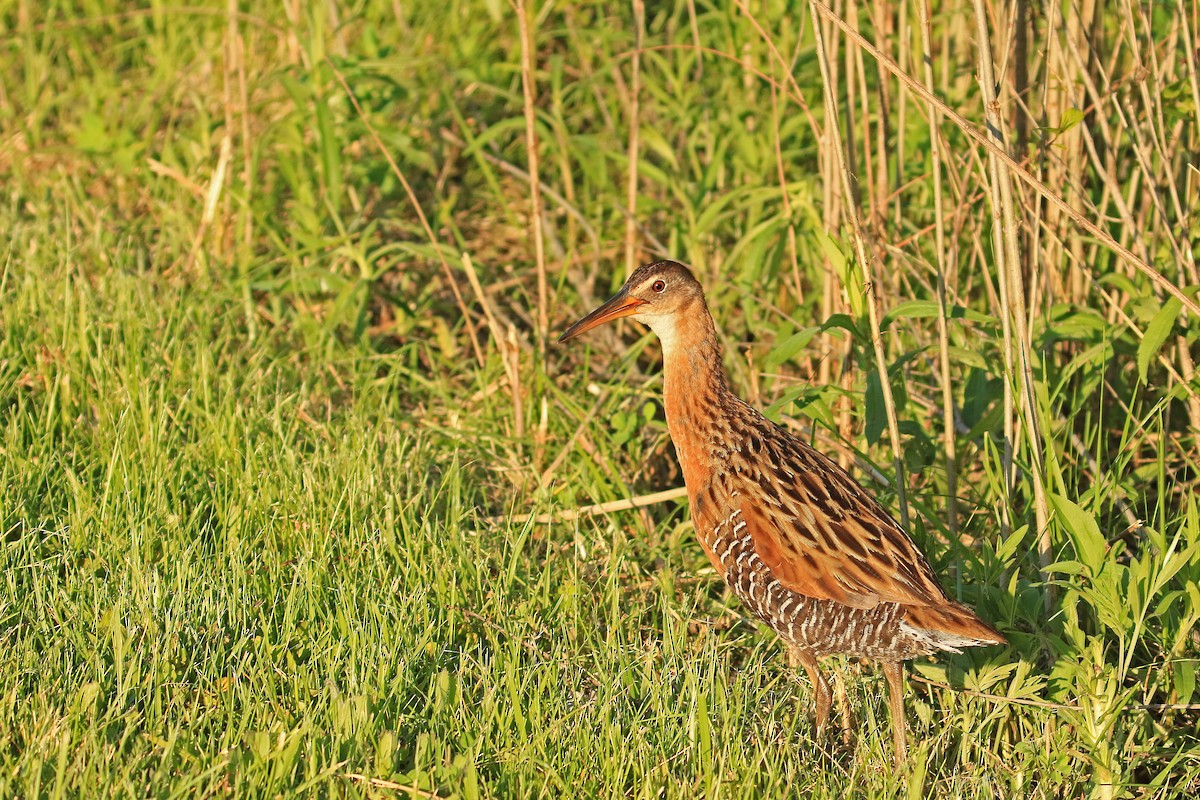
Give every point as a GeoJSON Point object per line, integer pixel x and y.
{"type": "Point", "coordinates": [631, 178]}
{"type": "Point", "coordinates": [529, 92]}
{"type": "Point", "coordinates": [889, 404]}
{"type": "Point", "coordinates": [1014, 166]}
{"type": "Point", "coordinates": [948, 433]}
{"type": "Point", "coordinates": [1013, 297]}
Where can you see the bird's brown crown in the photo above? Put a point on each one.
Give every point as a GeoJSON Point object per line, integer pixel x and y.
{"type": "Point", "coordinates": [663, 282]}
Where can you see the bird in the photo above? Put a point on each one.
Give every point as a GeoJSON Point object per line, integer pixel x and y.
{"type": "Point", "coordinates": [800, 542]}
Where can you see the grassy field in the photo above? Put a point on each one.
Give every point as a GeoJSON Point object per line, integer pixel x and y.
{"type": "Point", "coordinates": [290, 475]}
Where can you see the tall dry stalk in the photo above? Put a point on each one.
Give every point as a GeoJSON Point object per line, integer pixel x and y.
{"type": "Point", "coordinates": [833, 349]}
{"type": "Point", "coordinates": [889, 404]}
{"type": "Point", "coordinates": [508, 354]}
{"type": "Point", "coordinates": [1016, 169]}
{"type": "Point", "coordinates": [631, 186]}
{"type": "Point", "coordinates": [948, 434]}
{"type": "Point", "coordinates": [1012, 296]}
{"type": "Point", "coordinates": [529, 91]}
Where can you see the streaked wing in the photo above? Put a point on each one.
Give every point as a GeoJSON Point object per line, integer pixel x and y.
{"type": "Point", "coordinates": [822, 534]}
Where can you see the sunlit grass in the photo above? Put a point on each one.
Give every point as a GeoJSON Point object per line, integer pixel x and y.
{"type": "Point", "coordinates": [263, 502]}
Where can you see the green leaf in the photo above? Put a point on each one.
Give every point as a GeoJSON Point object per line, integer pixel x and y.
{"type": "Point", "coordinates": [1009, 546]}
{"type": "Point", "coordinates": [843, 321]}
{"type": "Point", "coordinates": [1156, 333]}
{"type": "Point", "coordinates": [847, 272]}
{"type": "Point", "coordinates": [876, 415]}
{"type": "Point", "coordinates": [939, 673]}
{"type": "Point", "coordinates": [331, 154]}
{"type": "Point", "coordinates": [1185, 680]}
{"type": "Point", "coordinates": [912, 309]}
{"type": "Point", "coordinates": [1070, 118]}
{"type": "Point", "coordinates": [784, 350]}
{"type": "Point", "coordinates": [1085, 534]}
{"type": "Point", "coordinates": [961, 355]}
{"type": "Point", "coordinates": [1065, 567]}
{"type": "Point", "coordinates": [656, 143]}
{"type": "Point", "coordinates": [771, 412]}
{"type": "Point", "coordinates": [928, 309]}
{"type": "Point", "coordinates": [92, 135]}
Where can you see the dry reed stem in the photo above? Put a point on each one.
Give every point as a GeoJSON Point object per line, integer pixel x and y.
{"type": "Point", "coordinates": [508, 355]}
{"type": "Point", "coordinates": [291, 10]}
{"type": "Point", "coordinates": [1013, 299]}
{"type": "Point", "coordinates": [1190, 47]}
{"type": "Point", "coordinates": [529, 93]}
{"type": "Point", "coordinates": [598, 508]}
{"type": "Point", "coordinates": [948, 434]}
{"type": "Point", "coordinates": [1016, 169]}
{"type": "Point", "coordinates": [164, 171]}
{"type": "Point", "coordinates": [380, 783]}
{"type": "Point", "coordinates": [889, 404]}
{"type": "Point", "coordinates": [420, 212]}
{"type": "Point", "coordinates": [830, 219]}
{"type": "Point", "coordinates": [882, 21]}
{"type": "Point", "coordinates": [548, 475]}
{"type": "Point", "coordinates": [238, 47]}
{"type": "Point", "coordinates": [631, 185]}
{"type": "Point", "coordinates": [212, 197]}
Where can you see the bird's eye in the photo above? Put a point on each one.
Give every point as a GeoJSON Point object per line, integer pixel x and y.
{"type": "Point", "coordinates": [659, 286]}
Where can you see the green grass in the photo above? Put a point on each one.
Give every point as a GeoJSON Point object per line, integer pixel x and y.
{"type": "Point", "coordinates": [263, 508]}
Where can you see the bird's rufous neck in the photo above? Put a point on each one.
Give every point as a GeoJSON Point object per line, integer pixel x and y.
{"type": "Point", "coordinates": [693, 383]}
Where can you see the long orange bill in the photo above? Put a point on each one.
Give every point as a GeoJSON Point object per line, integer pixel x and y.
{"type": "Point", "coordinates": [622, 304]}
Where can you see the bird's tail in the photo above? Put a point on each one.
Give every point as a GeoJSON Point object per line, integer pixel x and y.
{"type": "Point", "coordinates": [950, 627]}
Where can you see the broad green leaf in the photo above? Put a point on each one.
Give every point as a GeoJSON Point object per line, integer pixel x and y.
{"type": "Point", "coordinates": [1085, 534]}
{"type": "Point", "coordinates": [912, 309]}
{"type": "Point", "coordinates": [784, 350]}
{"type": "Point", "coordinates": [771, 412]}
{"type": "Point", "coordinates": [818, 408]}
{"type": "Point", "coordinates": [1065, 567]}
{"type": "Point", "coordinates": [843, 321]}
{"type": "Point", "coordinates": [928, 309]}
{"type": "Point", "coordinates": [1009, 546]}
{"type": "Point", "coordinates": [1070, 118]}
{"type": "Point", "coordinates": [1176, 563]}
{"type": "Point", "coordinates": [961, 355]}
{"type": "Point", "coordinates": [657, 144]}
{"type": "Point", "coordinates": [1185, 680]}
{"type": "Point", "coordinates": [939, 673]}
{"type": "Point", "coordinates": [1192, 525]}
{"type": "Point", "coordinates": [847, 271]}
{"type": "Point", "coordinates": [1156, 333]}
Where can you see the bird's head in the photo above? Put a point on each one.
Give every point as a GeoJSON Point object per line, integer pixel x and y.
{"type": "Point", "coordinates": [659, 295]}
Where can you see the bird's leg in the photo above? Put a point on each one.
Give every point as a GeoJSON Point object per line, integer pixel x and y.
{"type": "Point", "coordinates": [839, 689]}
{"type": "Point", "coordinates": [820, 688]}
{"type": "Point", "coordinates": [894, 670]}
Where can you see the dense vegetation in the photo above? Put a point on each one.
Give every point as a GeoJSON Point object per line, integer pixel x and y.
{"type": "Point", "coordinates": [291, 478]}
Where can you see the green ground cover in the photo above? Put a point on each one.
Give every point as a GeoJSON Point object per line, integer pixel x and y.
{"type": "Point", "coordinates": [264, 488]}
